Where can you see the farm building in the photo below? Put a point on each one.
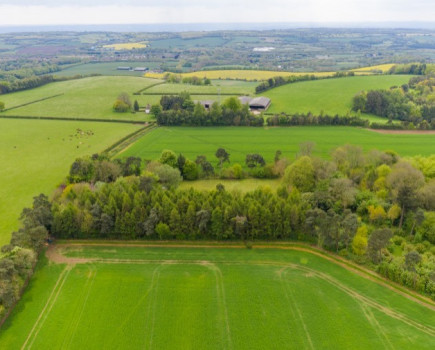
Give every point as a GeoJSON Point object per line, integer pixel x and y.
{"type": "Point", "coordinates": [123, 68]}
{"type": "Point", "coordinates": [206, 103]}
{"type": "Point", "coordinates": [260, 103]}
{"type": "Point", "coordinates": [255, 104]}
{"type": "Point", "coordinates": [140, 69]}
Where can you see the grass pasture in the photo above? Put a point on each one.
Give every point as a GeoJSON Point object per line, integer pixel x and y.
{"type": "Point", "coordinates": [82, 98]}
{"type": "Point", "coordinates": [236, 88]}
{"type": "Point", "coordinates": [239, 141]}
{"type": "Point", "coordinates": [332, 96]}
{"type": "Point", "coordinates": [210, 298]}
{"type": "Point", "coordinates": [36, 155]}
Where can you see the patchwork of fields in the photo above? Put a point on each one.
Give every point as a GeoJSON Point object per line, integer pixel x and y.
{"type": "Point", "coordinates": [210, 298]}
{"type": "Point", "coordinates": [81, 98]}
{"type": "Point", "coordinates": [239, 141]}
{"type": "Point", "coordinates": [36, 155]}
{"type": "Point", "coordinates": [94, 97]}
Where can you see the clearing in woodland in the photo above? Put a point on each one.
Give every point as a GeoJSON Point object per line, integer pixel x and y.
{"type": "Point", "coordinates": [210, 298]}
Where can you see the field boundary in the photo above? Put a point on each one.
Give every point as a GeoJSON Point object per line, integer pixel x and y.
{"type": "Point", "coordinates": [128, 140]}
{"type": "Point", "coordinates": [139, 92]}
{"type": "Point", "coordinates": [31, 102]}
{"type": "Point", "coordinates": [127, 121]}
{"type": "Point", "coordinates": [351, 266]}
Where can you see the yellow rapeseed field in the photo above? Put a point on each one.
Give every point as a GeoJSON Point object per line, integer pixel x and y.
{"type": "Point", "coordinates": [126, 46]}
{"type": "Point", "coordinates": [241, 74]}
{"type": "Point", "coordinates": [381, 67]}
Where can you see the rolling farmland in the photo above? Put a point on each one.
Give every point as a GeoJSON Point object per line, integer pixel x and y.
{"type": "Point", "coordinates": [210, 298]}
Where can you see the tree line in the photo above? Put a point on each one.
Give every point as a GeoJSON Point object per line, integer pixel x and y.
{"type": "Point", "coordinates": [18, 258]}
{"type": "Point", "coordinates": [191, 80]}
{"type": "Point", "coordinates": [35, 81]}
{"type": "Point", "coordinates": [279, 80]}
{"type": "Point", "coordinates": [310, 119]}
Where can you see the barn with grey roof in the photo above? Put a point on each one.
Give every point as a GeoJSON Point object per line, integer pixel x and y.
{"type": "Point", "coordinates": [259, 103]}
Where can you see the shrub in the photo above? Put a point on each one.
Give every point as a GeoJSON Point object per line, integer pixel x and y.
{"type": "Point", "coordinates": [120, 106]}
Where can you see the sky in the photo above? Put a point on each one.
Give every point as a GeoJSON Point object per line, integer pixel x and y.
{"type": "Point", "coordinates": [67, 12]}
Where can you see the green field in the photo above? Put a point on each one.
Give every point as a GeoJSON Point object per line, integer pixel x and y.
{"type": "Point", "coordinates": [106, 68]}
{"type": "Point", "coordinates": [239, 141]}
{"type": "Point", "coordinates": [82, 98]}
{"type": "Point", "coordinates": [235, 87]}
{"type": "Point", "coordinates": [211, 298]}
{"type": "Point", "coordinates": [332, 96]}
{"type": "Point", "coordinates": [36, 155]}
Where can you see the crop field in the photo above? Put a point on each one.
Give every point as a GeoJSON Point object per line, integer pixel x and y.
{"type": "Point", "coordinates": [82, 98]}
{"type": "Point", "coordinates": [126, 46]}
{"type": "Point", "coordinates": [211, 298]}
{"type": "Point", "coordinates": [332, 96]}
{"type": "Point", "coordinates": [381, 67]}
{"type": "Point", "coordinates": [36, 156]}
{"type": "Point", "coordinates": [250, 75]}
{"type": "Point", "coordinates": [239, 141]}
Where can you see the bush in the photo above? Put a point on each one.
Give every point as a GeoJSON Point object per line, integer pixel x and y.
{"type": "Point", "coordinates": [168, 176]}
{"type": "Point", "coordinates": [120, 106]}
